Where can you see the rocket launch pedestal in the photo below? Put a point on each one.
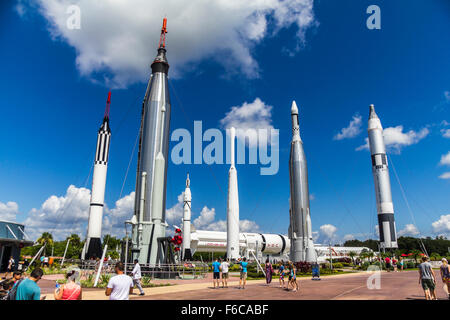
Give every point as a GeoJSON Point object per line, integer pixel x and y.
{"type": "Point", "coordinates": [380, 170]}
{"type": "Point", "coordinates": [150, 199]}
{"type": "Point", "coordinates": [93, 247]}
{"type": "Point", "coordinates": [300, 233]}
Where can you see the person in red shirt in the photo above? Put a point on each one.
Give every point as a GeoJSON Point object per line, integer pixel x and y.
{"type": "Point", "coordinates": [388, 264]}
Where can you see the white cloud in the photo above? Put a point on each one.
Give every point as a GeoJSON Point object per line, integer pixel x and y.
{"type": "Point", "coordinates": [409, 230]}
{"type": "Point", "coordinates": [312, 197]}
{"type": "Point", "coordinates": [20, 8]}
{"type": "Point", "coordinates": [249, 116]}
{"type": "Point", "coordinates": [349, 237]}
{"type": "Point", "coordinates": [395, 138]}
{"type": "Point", "coordinates": [174, 215]}
{"type": "Point", "coordinates": [445, 175]}
{"type": "Point", "coordinates": [447, 95]}
{"type": "Point", "coordinates": [445, 133]}
{"type": "Point", "coordinates": [315, 236]}
{"type": "Point", "coordinates": [61, 216]}
{"type": "Point", "coordinates": [9, 211]}
{"type": "Point", "coordinates": [120, 37]}
{"type": "Point", "coordinates": [442, 225]}
{"type": "Point", "coordinates": [205, 221]}
{"type": "Point", "coordinates": [69, 214]}
{"type": "Point", "coordinates": [353, 129]}
{"type": "Point", "coordinates": [327, 233]}
{"type": "Point", "coordinates": [205, 218]}
{"type": "Point", "coordinates": [445, 159]}
{"type": "Point", "coordinates": [114, 219]}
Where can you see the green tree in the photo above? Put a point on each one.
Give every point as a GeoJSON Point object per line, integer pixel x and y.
{"type": "Point", "coordinates": [370, 255]}
{"type": "Point", "coordinates": [352, 255]}
{"type": "Point", "coordinates": [416, 254]}
{"type": "Point", "coordinates": [75, 246]}
{"type": "Point", "coordinates": [45, 238]}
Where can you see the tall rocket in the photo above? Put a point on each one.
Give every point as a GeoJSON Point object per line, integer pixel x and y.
{"type": "Point", "coordinates": [380, 170]}
{"type": "Point", "coordinates": [300, 233]}
{"type": "Point", "coordinates": [232, 206]}
{"type": "Point", "coordinates": [151, 179]}
{"type": "Point", "coordinates": [187, 221]}
{"type": "Point", "coordinates": [93, 246]}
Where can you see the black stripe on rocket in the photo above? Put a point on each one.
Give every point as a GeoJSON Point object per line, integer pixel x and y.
{"type": "Point", "coordinates": [104, 136]}
{"type": "Point", "coordinates": [379, 160]}
{"type": "Point", "coordinates": [383, 217]}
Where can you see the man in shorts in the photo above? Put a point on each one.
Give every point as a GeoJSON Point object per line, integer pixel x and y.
{"type": "Point", "coordinates": [427, 278]}
{"type": "Point", "coordinates": [216, 273]}
{"type": "Point", "coordinates": [224, 267]}
{"type": "Point", "coordinates": [243, 275]}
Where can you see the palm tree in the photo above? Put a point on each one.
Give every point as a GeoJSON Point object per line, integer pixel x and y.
{"type": "Point", "coordinates": [370, 255]}
{"type": "Point", "coordinates": [74, 244]}
{"type": "Point", "coordinates": [45, 238]}
{"type": "Point", "coordinates": [363, 255]}
{"type": "Point", "coordinates": [416, 253]}
{"type": "Point", "coordinates": [352, 255]}
{"type": "Point", "coordinates": [74, 239]}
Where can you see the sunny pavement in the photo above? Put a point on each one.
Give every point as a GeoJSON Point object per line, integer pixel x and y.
{"type": "Point", "coordinates": [394, 286]}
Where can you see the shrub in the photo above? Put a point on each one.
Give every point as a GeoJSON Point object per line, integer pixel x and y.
{"type": "Point", "coordinates": [234, 268]}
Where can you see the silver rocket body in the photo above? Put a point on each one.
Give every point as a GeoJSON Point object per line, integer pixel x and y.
{"type": "Point", "coordinates": [380, 170]}
{"type": "Point", "coordinates": [93, 248]}
{"type": "Point", "coordinates": [153, 160]}
{"type": "Point", "coordinates": [300, 230]}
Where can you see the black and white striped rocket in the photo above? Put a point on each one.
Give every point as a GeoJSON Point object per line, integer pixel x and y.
{"type": "Point", "coordinates": [300, 230]}
{"type": "Point", "coordinates": [93, 246]}
{"type": "Point", "coordinates": [380, 170]}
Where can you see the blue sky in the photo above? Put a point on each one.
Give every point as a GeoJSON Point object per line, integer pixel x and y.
{"type": "Point", "coordinates": [54, 85]}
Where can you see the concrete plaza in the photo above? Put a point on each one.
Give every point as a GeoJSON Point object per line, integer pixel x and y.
{"type": "Point", "coordinates": [393, 286]}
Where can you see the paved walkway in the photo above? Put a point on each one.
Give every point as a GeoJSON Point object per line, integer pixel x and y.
{"type": "Point", "coordinates": [394, 286]}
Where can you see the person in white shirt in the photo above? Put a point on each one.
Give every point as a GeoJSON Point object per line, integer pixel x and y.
{"type": "Point", "coordinates": [137, 276]}
{"type": "Point", "coordinates": [46, 261]}
{"type": "Point", "coordinates": [224, 267]}
{"type": "Point", "coordinates": [121, 286]}
{"type": "Point", "coordinates": [10, 268]}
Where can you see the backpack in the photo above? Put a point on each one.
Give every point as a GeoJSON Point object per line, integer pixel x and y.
{"type": "Point", "coordinates": [12, 293]}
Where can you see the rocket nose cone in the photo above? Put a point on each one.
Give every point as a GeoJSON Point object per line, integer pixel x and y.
{"type": "Point", "coordinates": [372, 113]}
{"type": "Point", "coordinates": [294, 109]}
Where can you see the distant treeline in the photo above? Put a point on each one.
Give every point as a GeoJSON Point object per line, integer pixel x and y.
{"type": "Point", "coordinates": [439, 245]}
{"type": "Point", "coordinates": [73, 250]}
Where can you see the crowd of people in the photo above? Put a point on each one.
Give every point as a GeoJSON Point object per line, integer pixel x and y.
{"type": "Point", "coordinates": [221, 267]}
{"type": "Point", "coordinates": [19, 287]}
{"type": "Point", "coordinates": [121, 285]}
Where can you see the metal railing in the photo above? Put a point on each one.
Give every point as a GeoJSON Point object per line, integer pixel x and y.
{"type": "Point", "coordinates": [189, 270]}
